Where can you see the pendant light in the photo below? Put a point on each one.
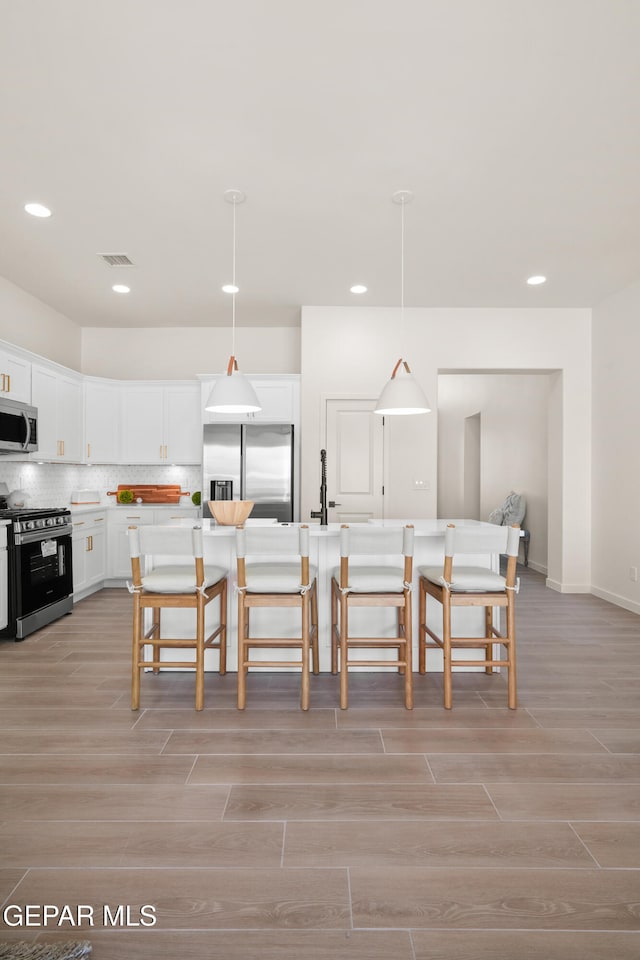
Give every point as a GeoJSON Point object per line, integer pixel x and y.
{"type": "Point", "coordinates": [402, 395]}
{"type": "Point", "coordinates": [233, 393]}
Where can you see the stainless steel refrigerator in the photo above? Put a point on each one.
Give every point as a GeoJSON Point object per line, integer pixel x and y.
{"type": "Point", "coordinates": [250, 461]}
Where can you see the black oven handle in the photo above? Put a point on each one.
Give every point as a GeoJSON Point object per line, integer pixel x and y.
{"type": "Point", "coordinates": [28, 423]}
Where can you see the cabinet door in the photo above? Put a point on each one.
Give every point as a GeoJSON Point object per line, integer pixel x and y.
{"type": "Point", "coordinates": [183, 424]}
{"type": "Point", "coordinates": [15, 377]}
{"type": "Point", "coordinates": [69, 416]}
{"type": "Point", "coordinates": [59, 402]}
{"type": "Point", "coordinates": [78, 551]}
{"type": "Point", "coordinates": [44, 393]}
{"type": "Point", "coordinates": [276, 400]}
{"type": "Point", "coordinates": [143, 424]}
{"type": "Point", "coordinates": [95, 555]}
{"type": "Point", "coordinates": [101, 422]}
{"type": "Point", "coordinates": [118, 557]}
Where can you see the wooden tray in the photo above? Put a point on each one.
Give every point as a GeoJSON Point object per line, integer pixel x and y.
{"type": "Point", "coordinates": [150, 493]}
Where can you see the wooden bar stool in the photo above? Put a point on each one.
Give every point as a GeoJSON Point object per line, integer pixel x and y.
{"type": "Point", "coordinates": [273, 581]}
{"type": "Point", "coordinates": [376, 583]}
{"type": "Point", "coordinates": [472, 586]}
{"type": "Point", "coordinates": [174, 585]}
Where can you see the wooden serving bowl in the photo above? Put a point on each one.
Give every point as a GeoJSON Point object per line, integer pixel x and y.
{"type": "Point", "coordinates": [231, 513]}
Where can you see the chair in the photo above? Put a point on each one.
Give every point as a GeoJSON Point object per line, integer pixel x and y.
{"type": "Point", "coordinates": [273, 581]}
{"type": "Point", "coordinates": [174, 585]}
{"type": "Point", "coordinates": [472, 586]}
{"type": "Point", "coordinates": [373, 584]}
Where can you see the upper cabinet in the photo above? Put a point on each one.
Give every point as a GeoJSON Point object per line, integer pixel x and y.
{"type": "Point", "coordinates": [15, 377]}
{"type": "Point", "coordinates": [102, 421]}
{"type": "Point", "coordinates": [58, 397]}
{"type": "Point", "coordinates": [279, 397]}
{"type": "Point", "coordinates": [161, 423]}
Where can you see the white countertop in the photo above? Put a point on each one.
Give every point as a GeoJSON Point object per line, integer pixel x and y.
{"type": "Point", "coordinates": [423, 528]}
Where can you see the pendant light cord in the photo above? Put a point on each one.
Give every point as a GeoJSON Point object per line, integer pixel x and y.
{"type": "Point", "coordinates": [233, 280]}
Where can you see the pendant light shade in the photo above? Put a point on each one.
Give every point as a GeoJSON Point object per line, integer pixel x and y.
{"type": "Point", "coordinates": [402, 395]}
{"type": "Point", "coordinates": [233, 393]}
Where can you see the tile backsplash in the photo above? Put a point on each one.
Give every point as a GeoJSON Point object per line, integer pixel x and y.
{"type": "Point", "coordinates": [50, 484]}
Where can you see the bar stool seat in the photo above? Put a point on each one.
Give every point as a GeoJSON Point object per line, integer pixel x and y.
{"type": "Point", "coordinates": [374, 579]}
{"type": "Point", "coordinates": [278, 577]}
{"type": "Point", "coordinates": [467, 579]}
{"type": "Point", "coordinates": [180, 579]}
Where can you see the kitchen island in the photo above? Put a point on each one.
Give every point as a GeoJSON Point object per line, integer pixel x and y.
{"type": "Point", "coordinates": [219, 549]}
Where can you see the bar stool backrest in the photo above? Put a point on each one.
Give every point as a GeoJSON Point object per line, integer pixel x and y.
{"type": "Point", "coordinates": [364, 540]}
{"type": "Point", "coordinates": [165, 540]}
{"type": "Point", "coordinates": [272, 541]}
{"type": "Point", "coordinates": [472, 540]}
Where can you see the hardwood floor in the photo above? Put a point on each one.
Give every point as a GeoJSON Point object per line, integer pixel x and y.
{"type": "Point", "coordinates": [371, 834]}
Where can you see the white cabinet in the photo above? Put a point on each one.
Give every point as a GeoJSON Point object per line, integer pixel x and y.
{"type": "Point", "coordinates": [121, 518]}
{"type": "Point", "coordinates": [15, 377]}
{"type": "Point", "coordinates": [102, 421]}
{"type": "Point", "coordinates": [4, 579]}
{"type": "Point", "coordinates": [161, 423]}
{"type": "Point", "coordinates": [89, 552]}
{"type": "Point", "coordinates": [279, 397]}
{"type": "Point", "coordinates": [58, 398]}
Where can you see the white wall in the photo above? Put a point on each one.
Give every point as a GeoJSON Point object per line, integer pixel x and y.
{"type": "Point", "coordinates": [28, 322]}
{"type": "Point", "coordinates": [514, 440]}
{"type": "Point", "coordinates": [350, 351]}
{"type": "Point", "coordinates": [178, 353]}
{"type": "Point", "coordinates": [616, 447]}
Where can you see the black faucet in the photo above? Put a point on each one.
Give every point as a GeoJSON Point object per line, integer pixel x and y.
{"type": "Point", "coordinates": [322, 513]}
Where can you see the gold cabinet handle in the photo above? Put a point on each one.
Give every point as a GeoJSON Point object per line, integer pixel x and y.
{"type": "Point", "coordinates": [88, 451]}
{"type": "Point", "coordinates": [2, 390]}
{"type": "Point", "coordinates": [62, 448]}
{"type": "Point", "coordinates": [8, 383]}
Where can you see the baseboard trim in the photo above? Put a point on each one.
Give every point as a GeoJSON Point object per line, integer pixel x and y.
{"type": "Point", "coordinates": [538, 567]}
{"type": "Point", "coordinates": [616, 599]}
{"type": "Point", "coordinates": [568, 587]}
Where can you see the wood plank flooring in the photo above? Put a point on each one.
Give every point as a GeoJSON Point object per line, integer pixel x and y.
{"type": "Point", "coordinates": [370, 834]}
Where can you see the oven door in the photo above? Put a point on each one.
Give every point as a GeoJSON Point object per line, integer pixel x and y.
{"type": "Point", "coordinates": [42, 570]}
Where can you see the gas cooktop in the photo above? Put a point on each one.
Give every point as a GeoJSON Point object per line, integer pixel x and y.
{"type": "Point", "coordinates": [32, 513]}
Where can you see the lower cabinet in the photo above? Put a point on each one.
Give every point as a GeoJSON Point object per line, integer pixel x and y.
{"type": "Point", "coordinates": [121, 518]}
{"type": "Point", "coordinates": [89, 553]}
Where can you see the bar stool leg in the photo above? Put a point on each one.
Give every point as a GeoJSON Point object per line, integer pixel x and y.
{"type": "Point", "coordinates": [200, 653]}
{"type": "Point", "coordinates": [135, 653]}
{"type": "Point", "coordinates": [488, 622]}
{"type": "Point", "coordinates": [408, 652]}
{"type": "Point", "coordinates": [344, 674]}
{"type": "Point", "coordinates": [422, 635]}
{"type": "Point", "coordinates": [446, 651]}
{"type": "Point", "coordinates": [223, 629]}
{"type": "Point", "coordinates": [304, 685]}
{"type": "Point", "coordinates": [242, 655]}
{"type": "Point", "coordinates": [334, 628]}
{"type": "Point", "coordinates": [512, 697]}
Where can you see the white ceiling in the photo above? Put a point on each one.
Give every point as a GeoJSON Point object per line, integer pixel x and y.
{"type": "Point", "coordinates": [516, 124]}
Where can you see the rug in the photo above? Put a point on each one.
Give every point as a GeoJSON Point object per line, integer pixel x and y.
{"type": "Point", "coordinates": [23, 950]}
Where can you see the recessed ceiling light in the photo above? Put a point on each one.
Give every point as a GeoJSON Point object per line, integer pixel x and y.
{"type": "Point", "coordinates": [358, 288]}
{"type": "Point", "coordinates": [37, 210]}
{"type": "Point", "coordinates": [120, 288]}
{"type": "Point", "coordinates": [230, 288]}
{"type": "Point", "coordinates": [534, 281]}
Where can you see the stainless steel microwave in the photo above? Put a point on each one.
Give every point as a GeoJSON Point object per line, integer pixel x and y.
{"type": "Point", "coordinates": [18, 427]}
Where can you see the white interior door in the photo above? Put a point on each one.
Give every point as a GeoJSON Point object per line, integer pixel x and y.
{"type": "Point", "coordinates": [355, 461]}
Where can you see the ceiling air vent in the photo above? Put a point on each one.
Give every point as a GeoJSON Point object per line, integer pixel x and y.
{"type": "Point", "coordinates": [116, 259]}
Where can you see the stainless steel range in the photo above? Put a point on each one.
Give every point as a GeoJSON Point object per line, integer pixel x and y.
{"type": "Point", "coordinates": [40, 571]}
